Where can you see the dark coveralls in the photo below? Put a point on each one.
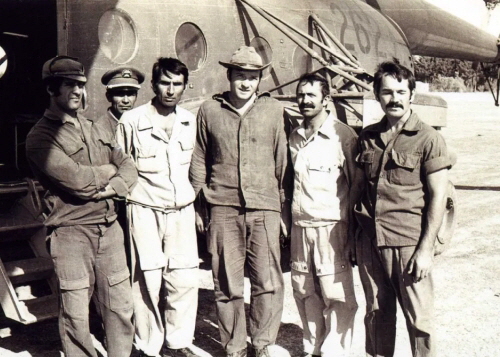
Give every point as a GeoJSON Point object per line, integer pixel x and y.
{"type": "Point", "coordinates": [86, 242]}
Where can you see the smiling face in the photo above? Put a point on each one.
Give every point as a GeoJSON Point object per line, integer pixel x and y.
{"type": "Point", "coordinates": [395, 97]}
{"type": "Point", "coordinates": [169, 89]}
{"type": "Point", "coordinates": [243, 83]}
{"type": "Point", "coordinates": [121, 99]}
{"type": "Point", "coordinates": [69, 97]}
{"type": "Point", "coordinates": [310, 99]}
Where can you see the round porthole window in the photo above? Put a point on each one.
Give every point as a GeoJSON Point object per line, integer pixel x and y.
{"type": "Point", "coordinates": [265, 51]}
{"type": "Point", "coordinates": [191, 46]}
{"type": "Point", "coordinates": [117, 36]}
{"type": "Point", "coordinates": [3, 62]}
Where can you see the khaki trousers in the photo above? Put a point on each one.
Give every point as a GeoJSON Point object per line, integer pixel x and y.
{"type": "Point", "coordinates": [168, 293]}
{"type": "Point", "coordinates": [323, 288]}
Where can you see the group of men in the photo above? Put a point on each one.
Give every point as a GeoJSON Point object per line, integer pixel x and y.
{"type": "Point", "coordinates": [234, 174]}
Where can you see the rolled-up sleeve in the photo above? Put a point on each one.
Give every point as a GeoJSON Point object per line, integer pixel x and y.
{"type": "Point", "coordinates": [436, 155]}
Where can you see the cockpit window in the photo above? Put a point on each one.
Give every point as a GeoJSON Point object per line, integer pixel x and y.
{"type": "Point", "coordinates": [191, 46]}
{"type": "Point", "coordinates": [264, 49]}
{"type": "Point", "coordinates": [117, 36]}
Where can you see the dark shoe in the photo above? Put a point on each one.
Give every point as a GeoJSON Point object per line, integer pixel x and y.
{"type": "Point", "coordinates": [261, 352]}
{"type": "Point", "coordinates": [240, 353]}
{"type": "Point", "coordinates": [181, 352]}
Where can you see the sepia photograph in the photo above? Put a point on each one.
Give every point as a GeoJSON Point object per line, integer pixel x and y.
{"type": "Point", "coordinates": [261, 178]}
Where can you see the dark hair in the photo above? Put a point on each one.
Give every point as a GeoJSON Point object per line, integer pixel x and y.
{"type": "Point", "coordinates": [398, 71]}
{"type": "Point", "coordinates": [314, 77]}
{"type": "Point", "coordinates": [229, 70]}
{"type": "Point", "coordinates": [173, 65]}
{"type": "Point", "coordinates": [53, 84]}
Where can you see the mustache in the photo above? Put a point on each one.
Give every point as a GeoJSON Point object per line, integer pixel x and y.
{"type": "Point", "coordinates": [394, 105]}
{"type": "Point", "coordinates": [302, 106]}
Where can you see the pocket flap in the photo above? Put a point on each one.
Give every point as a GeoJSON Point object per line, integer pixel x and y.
{"type": "Point", "coordinates": [74, 284]}
{"type": "Point", "coordinates": [72, 148]}
{"type": "Point", "coordinates": [118, 277]}
{"type": "Point", "coordinates": [300, 266]}
{"type": "Point", "coordinates": [319, 165]}
{"type": "Point", "coordinates": [182, 262]}
{"type": "Point", "coordinates": [366, 157]}
{"type": "Point", "coordinates": [404, 159]}
{"type": "Point", "coordinates": [186, 145]}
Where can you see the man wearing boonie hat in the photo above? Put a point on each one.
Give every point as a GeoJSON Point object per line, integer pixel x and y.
{"type": "Point", "coordinates": [122, 85]}
{"type": "Point", "coordinates": [75, 161]}
{"type": "Point", "coordinates": [239, 164]}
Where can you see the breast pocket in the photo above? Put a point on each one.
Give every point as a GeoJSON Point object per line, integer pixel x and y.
{"type": "Point", "coordinates": [405, 168]}
{"type": "Point", "coordinates": [150, 159]}
{"type": "Point", "coordinates": [186, 152]}
{"type": "Point", "coordinates": [75, 151]}
{"type": "Point", "coordinates": [322, 173]}
{"type": "Point", "coordinates": [106, 146]}
{"type": "Point", "coordinates": [366, 160]}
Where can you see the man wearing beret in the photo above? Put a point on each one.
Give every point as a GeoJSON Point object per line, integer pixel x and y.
{"type": "Point", "coordinates": [239, 164]}
{"type": "Point", "coordinates": [76, 162]}
{"type": "Point", "coordinates": [159, 136]}
{"type": "Point", "coordinates": [122, 85]}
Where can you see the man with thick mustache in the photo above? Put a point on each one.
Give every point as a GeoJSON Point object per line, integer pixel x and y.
{"type": "Point", "coordinates": [405, 163]}
{"type": "Point", "coordinates": [76, 161]}
{"type": "Point", "coordinates": [326, 186]}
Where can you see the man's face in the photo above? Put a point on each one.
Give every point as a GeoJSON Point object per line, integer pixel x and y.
{"type": "Point", "coordinates": [243, 84]}
{"type": "Point", "coordinates": [121, 99]}
{"type": "Point", "coordinates": [395, 97]}
{"type": "Point", "coordinates": [310, 99]}
{"type": "Point", "coordinates": [70, 95]}
{"type": "Point", "coordinates": [169, 89]}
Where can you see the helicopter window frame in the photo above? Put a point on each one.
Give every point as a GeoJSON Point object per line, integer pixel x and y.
{"type": "Point", "coordinates": [105, 39]}
{"type": "Point", "coordinates": [265, 43]}
{"type": "Point", "coordinates": [186, 54]}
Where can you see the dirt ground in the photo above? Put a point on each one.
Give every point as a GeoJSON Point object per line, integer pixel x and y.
{"type": "Point", "coordinates": [467, 275]}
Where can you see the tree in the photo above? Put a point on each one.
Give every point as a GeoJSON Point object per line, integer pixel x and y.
{"type": "Point", "coordinates": [491, 4]}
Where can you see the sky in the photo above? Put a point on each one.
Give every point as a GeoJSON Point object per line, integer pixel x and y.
{"type": "Point", "coordinates": [473, 11]}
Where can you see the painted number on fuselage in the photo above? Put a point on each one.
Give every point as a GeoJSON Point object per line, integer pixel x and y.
{"type": "Point", "coordinates": [357, 19]}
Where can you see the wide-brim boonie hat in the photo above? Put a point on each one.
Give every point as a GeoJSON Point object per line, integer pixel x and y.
{"type": "Point", "coordinates": [245, 58]}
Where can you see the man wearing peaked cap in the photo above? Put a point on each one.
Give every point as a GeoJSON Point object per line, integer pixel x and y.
{"type": "Point", "coordinates": [122, 85]}
{"type": "Point", "coordinates": [239, 165]}
{"type": "Point", "coordinates": [74, 159]}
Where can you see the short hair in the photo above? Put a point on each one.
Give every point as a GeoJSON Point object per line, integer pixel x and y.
{"type": "Point", "coordinates": [53, 84]}
{"type": "Point", "coordinates": [314, 77]}
{"type": "Point", "coordinates": [396, 70]}
{"type": "Point", "coordinates": [173, 65]}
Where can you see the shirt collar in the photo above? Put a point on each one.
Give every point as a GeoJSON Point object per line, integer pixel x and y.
{"type": "Point", "coordinates": [412, 124]}
{"type": "Point", "coordinates": [326, 128]}
{"type": "Point", "coordinates": [145, 121]}
{"type": "Point", "coordinates": [59, 115]}
{"type": "Point", "coordinates": [111, 115]}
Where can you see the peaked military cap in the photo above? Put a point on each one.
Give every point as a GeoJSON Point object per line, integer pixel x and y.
{"type": "Point", "coordinates": [123, 77]}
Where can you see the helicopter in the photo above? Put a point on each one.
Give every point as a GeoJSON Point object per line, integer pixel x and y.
{"type": "Point", "coordinates": [344, 40]}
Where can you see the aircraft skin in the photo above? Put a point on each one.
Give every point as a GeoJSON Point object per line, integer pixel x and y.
{"type": "Point", "coordinates": [225, 25]}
